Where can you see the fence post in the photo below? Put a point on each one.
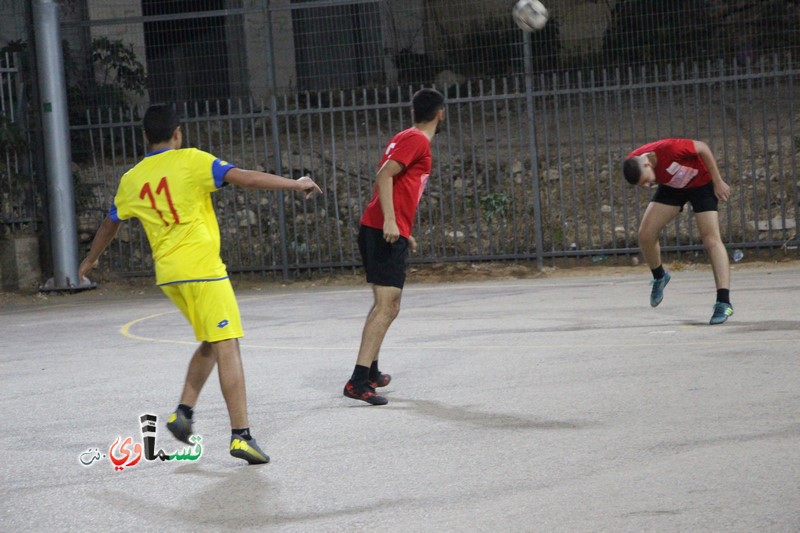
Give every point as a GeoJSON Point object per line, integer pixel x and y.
{"type": "Point", "coordinates": [537, 198]}
{"type": "Point", "coordinates": [276, 141]}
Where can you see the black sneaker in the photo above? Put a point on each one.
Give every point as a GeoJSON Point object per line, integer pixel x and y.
{"type": "Point", "coordinates": [365, 394]}
{"type": "Point", "coordinates": [381, 380]}
{"type": "Point", "coordinates": [180, 427]}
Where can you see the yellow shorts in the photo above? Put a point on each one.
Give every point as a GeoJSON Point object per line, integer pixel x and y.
{"type": "Point", "coordinates": [209, 306]}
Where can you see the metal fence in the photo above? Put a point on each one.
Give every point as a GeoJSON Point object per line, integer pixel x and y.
{"type": "Point", "coordinates": [527, 166]}
{"type": "Point", "coordinates": [488, 196]}
{"type": "Point", "coordinates": [20, 198]}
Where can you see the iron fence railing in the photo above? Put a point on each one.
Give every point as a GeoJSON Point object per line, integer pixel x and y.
{"type": "Point", "coordinates": [20, 198]}
{"type": "Point", "coordinates": [487, 196]}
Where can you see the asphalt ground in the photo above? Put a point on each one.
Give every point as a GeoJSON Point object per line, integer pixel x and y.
{"type": "Point", "coordinates": [549, 404]}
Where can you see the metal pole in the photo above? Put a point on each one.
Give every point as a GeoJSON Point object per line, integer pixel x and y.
{"type": "Point", "coordinates": [276, 140]}
{"type": "Point", "coordinates": [55, 125]}
{"type": "Point", "coordinates": [537, 198]}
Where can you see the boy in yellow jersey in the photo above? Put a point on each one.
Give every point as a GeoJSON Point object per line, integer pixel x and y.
{"type": "Point", "coordinates": [169, 191]}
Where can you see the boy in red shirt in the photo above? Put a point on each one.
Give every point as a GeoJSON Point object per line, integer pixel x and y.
{"type": "Point", "coordinates": [684, 171]}
{"type": "Point", "coordinates": [384, 237]}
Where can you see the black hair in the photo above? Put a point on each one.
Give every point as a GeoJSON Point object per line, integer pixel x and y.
{"type": "Point", "coordinates": [632, 170]}
{"type": "Point", "coordinates": [426, 103]}
{"type": "Point", "coordinates": [159, 121]}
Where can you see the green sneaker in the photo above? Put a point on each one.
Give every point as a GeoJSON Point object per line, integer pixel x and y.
{"type": "Point", "coordinates": [180, 427]}
{"type": "Point", "coordinates": [721, 313]}
{"type": "Point", "coordinates": [248, 450]}
{"type": "Point", "coordinates": [657, 293]}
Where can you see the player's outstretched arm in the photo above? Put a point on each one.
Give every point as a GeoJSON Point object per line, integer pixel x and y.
{"type": "Point", "coordinates": [253, 179]}
{"type": "Point", "coordinates": [105, 234]}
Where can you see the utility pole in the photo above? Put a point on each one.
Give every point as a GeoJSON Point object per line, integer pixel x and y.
{"type": "Point", "coordinates": [57, 152]}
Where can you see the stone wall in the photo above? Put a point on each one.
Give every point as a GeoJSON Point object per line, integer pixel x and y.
{"type": "Point", "coordinates": [19, 262]}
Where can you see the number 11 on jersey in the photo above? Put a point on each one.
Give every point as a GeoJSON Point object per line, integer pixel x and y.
{"type": "Point", "coordinates": [163, 186]}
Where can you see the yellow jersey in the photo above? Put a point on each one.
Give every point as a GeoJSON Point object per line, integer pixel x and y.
{"type": "Point", "coordinates": [169, 191]}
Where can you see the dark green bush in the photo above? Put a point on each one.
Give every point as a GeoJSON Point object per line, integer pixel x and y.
{"type": "Point", "coordinates": [657, 31]}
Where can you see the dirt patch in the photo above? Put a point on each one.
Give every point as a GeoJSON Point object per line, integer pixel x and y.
{"type": "Point", "coordinates": [126, 288]}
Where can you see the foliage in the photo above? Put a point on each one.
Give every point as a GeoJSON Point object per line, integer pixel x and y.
{"type": "Point", "coordinates": [488, 48]}
{"type": "Point", "coordinates": [17, 191]}
{"type": "Point", "coordinates": [415, 68]}
{"type": "Point", "coordinates": [491, 48]}
{"type": "Point", "coordinates": [118, 65]}
{"type": "Point", "coordinates": [644, 31]}
{"type": "Point", "coordinates": [114, 74]}
{"type": "Point", "coordinates": [114, 71]}
{"type": "Point", "coordinates": [495, 204]}
{"type": "Point", "coordinates": [12, 138]}
{"type": "Point", "coordinates": [18, 49]}
{"type": "Point", "coordinates": [14, 46]}
{"type": "Point", "coordinates": [650, 31]}
{"type": "Point", "coordinates": [750, 29]}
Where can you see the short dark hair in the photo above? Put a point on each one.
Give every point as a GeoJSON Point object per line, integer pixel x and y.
{"type": "Point", "coordinates": [426, 103]}
{"type": "Point", "coordinates": [159, 121]}
{"type": "Point", "coordinates": [632, 170]}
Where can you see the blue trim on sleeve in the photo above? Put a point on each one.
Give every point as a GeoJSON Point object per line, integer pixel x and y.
{"type": "Point", "coordinates": [191, 281]}
{"type": "Point", "coordinates": [218, 169]}
{"type": "Point", "coordinates": [112, 214]}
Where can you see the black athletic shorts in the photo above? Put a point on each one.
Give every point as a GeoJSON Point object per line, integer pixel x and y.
{"type": "Point", "coordinates": [384, 262]}
{"type": "Point", "coordinates": [701, 198]}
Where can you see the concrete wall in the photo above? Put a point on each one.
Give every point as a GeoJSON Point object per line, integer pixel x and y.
{"type": "Point", "coordinates": [255, 43]}
{"type": "Point", "coordinates": [408, 26]}
{"type": "Point", "coordinates": [582, 24]}
{"type": "Point", "coordinates": [19, 262]}
{"type": "Point", "coordinates": [12, 21]}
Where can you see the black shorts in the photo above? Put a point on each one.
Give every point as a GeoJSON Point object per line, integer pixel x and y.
{"type": "Point", "coordinates": [384, 262]}
{"type": "Point", "coordinates": [701, 198]}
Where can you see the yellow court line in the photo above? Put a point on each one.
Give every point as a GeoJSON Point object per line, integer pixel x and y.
{"type": "Point", "coordinates": [125, 330]}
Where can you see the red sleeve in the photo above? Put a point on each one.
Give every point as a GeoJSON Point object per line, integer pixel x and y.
{"type": "Point", "coordinates": [407, 150]}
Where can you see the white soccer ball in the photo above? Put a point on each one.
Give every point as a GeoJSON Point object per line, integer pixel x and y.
{"type": "Point", "coordinates": [530, 15]}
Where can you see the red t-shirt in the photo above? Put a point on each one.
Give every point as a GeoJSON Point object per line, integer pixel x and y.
{"type": "Point", "coordinates": [679, 166]}
{"type": "Point", "coordinates": [412, 149]}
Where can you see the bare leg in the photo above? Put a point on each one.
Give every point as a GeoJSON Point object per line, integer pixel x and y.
{"type": "Point", "coordinates": [656, 216]}
{"type": "Point", "coordinates": [708, 224]}
{"type": "Point", "coordinates": [200, 367]}
{"type": "Point", "coordinates": [380, 317]}
{"type": "Point", "coordinates": [231, 381]}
